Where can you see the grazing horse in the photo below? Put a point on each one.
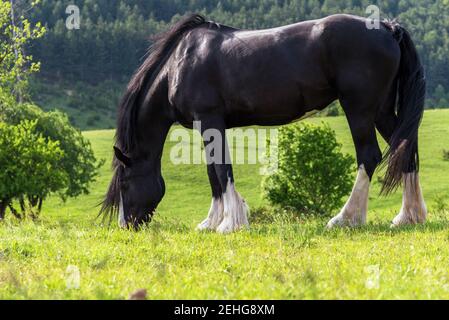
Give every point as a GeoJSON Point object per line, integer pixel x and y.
{"type": "Point", "coordinates": [201, 71]}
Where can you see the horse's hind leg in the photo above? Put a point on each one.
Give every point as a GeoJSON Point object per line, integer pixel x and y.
{"type": "Point", "coordinates": [362, 123]}
{"type": "Point", "coordinates": [414, 208]}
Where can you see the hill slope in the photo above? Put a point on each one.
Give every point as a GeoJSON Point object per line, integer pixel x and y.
{"type": "Point", "coordinates": [188, 193]}
{"type": "Point", "coordinates": [282, 260]}
{"type": "Point", "coordinates": [84, 70]}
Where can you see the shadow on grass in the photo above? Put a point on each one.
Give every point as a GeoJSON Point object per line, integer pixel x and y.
{"type": "Point", "coordinates": [289, 225]}
{"type": "Point", "coordinates": [268, 221]}
{"type": "Point", "coordinates": [264, 222]}
{"type": "Point", "coordinates": [431, 226]}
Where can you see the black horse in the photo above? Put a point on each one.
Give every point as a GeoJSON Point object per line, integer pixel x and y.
{"type": "Point", "coordinates": [225, 78]}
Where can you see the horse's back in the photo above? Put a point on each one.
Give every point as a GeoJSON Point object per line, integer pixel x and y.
{"type": "Point", "coordinates": [359, 56]}
{"type": "Point", "coordinates": [285, 71]}
{"type": "Point", "coordinates": [357, 36]}
{"type": "Point", "coordinates": [278, 70]}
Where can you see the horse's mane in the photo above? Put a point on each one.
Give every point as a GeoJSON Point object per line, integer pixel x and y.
{"type": "Point", "coordinates": [125, 138]}
{"type": "Point", "coordinates": [156, 57]}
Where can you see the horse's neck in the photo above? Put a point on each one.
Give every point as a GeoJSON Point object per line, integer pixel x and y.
{"type": "Point", "coordinates": [152, 139]}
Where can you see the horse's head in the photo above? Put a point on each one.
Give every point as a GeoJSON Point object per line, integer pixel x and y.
{"type": "Point", "coordinates": [135, 192]}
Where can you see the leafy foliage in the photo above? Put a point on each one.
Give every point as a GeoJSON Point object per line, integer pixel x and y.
{"type": "Point", "coordinates": [41, 154]}
{"type": "Point", "coordinates": [30, 164]}
{"type": "Point", "coordinates": [16, 32]}
{"type": "Point", "coordinates": [114, 35]}
{"type": "Point", "coordinates": [84, 71]}
{"type": "Point", "coordinates": [313, 174]}
{"type": "Point", "coordinates": [78, 160]}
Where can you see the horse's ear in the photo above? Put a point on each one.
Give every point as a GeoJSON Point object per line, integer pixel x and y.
{"type": "Point", "coordinates": [124, 160]}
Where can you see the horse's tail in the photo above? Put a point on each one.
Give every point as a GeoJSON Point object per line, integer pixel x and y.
{"type": "Point", "coordinates": [157, 56]}
{"type": "Point", "coordinates": [402, 155]}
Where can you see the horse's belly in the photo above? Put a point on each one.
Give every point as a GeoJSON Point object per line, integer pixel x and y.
{"type": "Point", "coordinates": [277, 106]}
{"type": "Point", "coordinates": [268, 113]}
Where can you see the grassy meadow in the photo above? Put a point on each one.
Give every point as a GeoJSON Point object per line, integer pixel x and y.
{"type": "Point", "coordinates": [283, 259]}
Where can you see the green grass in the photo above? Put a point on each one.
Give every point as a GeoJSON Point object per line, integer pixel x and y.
{"type": "Point", "coordinates": [285, 259]}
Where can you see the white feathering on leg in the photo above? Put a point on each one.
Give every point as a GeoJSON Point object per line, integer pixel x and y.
{"type": "Point", "coordinates": [355, 210]}
{"type": "Point", "coordinates": [414, 210]}
{"type": "Point", "coordinates": [215, 216]}
{"type": "Point", "coordinates": [235, 211]}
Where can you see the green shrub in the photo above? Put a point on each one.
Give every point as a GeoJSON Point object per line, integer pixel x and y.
{"type": "Point", "coordinates": [77, 161]}
{"type": "Point", "coordinates": [334, 110]}
{"type": "Point", "coordinates": [30, 166]}
{"type": "Point", "coordinates": [313, 174]}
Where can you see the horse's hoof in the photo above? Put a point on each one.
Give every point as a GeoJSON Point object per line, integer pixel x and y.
{"type": "Point", "coordinates": [336, 222]}
{"type": "Point", "coordinates": [399, 222]}
{"type": "Point", "coordinates": [404, 219]}
{"type": "Point", "coordinates": [227, 227]}
{"type": "Point", "coordinates": [341, 222]}
{"type": "Point", "coordinates": [205, 226]}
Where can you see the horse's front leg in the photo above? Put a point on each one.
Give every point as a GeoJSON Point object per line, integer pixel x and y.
{"type": "Point", "coordinates": [215, 216]}
{"type": "Point", "coordinates": [235, 210]}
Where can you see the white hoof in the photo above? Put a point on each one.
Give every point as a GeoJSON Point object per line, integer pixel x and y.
{"type": "Point", "coordinates": [414, 210]}
{"type": "Point", "coordinates": [235, 211]}
{"type": "Point", "coordinates": [205, 226]}
{"type": "Point", "coordinates": [215, 216]}
{"type": "Point", "coordinates": [354, 212]}
{"type": "Point", "coordinates": [236, 218]}
{"type": "Point", "coordinates": [410, 218]}
{"type": "Point", "coordinates": [228, 226]}
{"type": "Point", "coordinates": [335, 222]}
{"type": "Point", "coordinates": [342, 221]}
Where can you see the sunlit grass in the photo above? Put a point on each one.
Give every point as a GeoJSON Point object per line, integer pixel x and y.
{"type": "Point", "coordinates": [281, 259]}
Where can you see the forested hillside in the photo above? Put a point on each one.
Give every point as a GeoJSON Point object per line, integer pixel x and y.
{"type": "Point", "coordinates": [84, 71]}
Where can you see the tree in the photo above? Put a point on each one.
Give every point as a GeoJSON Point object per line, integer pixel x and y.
{"type": "Point", "coordinates": [41, 153]}
{"type": "Point", "coordinates": [115, 35]}
{"type": "Point", "coordinates": [313, 175]}
{"type": "Point", "coordinates": [15, 33]}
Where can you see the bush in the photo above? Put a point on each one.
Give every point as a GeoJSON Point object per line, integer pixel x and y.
{"type": "Point", "coordinates": [77, 160]}
{"type": "Point", "coordinates": [30, 166]}
{"type": "Point", "coordinates": [334, 110]}
{"type": "Point", "coordinates": [313, 174]}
